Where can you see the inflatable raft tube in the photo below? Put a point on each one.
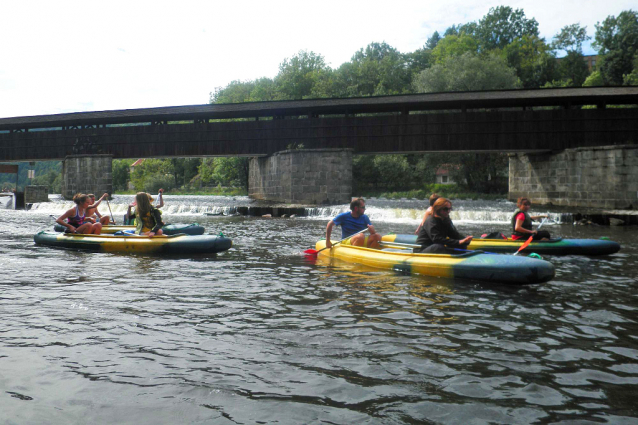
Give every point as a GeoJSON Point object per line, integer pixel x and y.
{"type": "Point", "coordinates": [470, 265]}
{"type": "Point", "coordinates": [169, 229]}
{"type": "Point", "coordinates": [557, 246]}
{"type": "Point", "coordinates": [175, 244]}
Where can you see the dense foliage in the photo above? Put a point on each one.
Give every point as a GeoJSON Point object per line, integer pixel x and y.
{"type": "Point", "coordinates": [503, 50]}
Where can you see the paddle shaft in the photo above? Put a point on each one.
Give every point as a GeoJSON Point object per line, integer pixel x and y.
{"type": "Point", "coordinates": [109, 205]}
{"type": "Point", "coordinates": [530, 238]}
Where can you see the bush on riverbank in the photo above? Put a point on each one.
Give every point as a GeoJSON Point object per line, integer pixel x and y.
{"type": "Point", "coordinates": [204, 191]}
{"type": "Point", "coordinates": [451, 191]}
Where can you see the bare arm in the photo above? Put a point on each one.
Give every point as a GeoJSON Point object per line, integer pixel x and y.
{"type": "Point", "coordinates": [61, 220]}
{"type": "Point", "coordinates": [328, 233]}
{"type": "Point", "coordinates": [160, 200]}
{"type": "Point", "coordinates": [428, 213]}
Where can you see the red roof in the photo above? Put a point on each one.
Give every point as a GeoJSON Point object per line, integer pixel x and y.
{"type": "Point", "coordinates": [138, 162]}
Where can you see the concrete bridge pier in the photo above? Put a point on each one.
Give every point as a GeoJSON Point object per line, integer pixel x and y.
{"type": "Point", "coordinates": [600, 177]}
{"type": "Point", "coordinates": [304, 176]}
{"type": "Point", "coordinates": [87, 174]}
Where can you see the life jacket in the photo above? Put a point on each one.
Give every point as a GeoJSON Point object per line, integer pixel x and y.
{"type": "Point", "coordinates": [527, 223]}
{"type": "Point", "coordinates": [150, 221]}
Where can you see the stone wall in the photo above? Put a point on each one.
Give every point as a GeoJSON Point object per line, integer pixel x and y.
{"type": "Point", "coordinates": [603, 177]}
{"type": "Point", "coordinates": [33, 194]}
{"type": "Point", "coordinates": [87, 174]}
{"type": "Point", "coordinates": [307, 176]}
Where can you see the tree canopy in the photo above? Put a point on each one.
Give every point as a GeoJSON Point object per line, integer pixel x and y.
{"type": "Point", "coordinates": [617, 39]}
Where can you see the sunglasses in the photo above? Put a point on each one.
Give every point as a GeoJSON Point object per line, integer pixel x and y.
{"type": "Point", "coordinates": [446, 209]}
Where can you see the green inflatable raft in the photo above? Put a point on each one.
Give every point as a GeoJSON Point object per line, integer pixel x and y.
{"type": "Point", "coordinates": [556, 246]}
{"type": "Point", "coordinates": [174, 244]}
{"type": "Point", "coordinates": [169, 229]}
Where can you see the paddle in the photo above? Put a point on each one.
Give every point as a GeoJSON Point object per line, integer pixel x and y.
{"type": "Point", "coordinates": [109, 205]}
{"type": "Point", "coordinates": [530, 238]}
{"type": "Point", "coordinates": [315, 252]}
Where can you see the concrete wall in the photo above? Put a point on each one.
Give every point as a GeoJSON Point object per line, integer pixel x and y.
{"type": "Point", "coordinates": [603, 177]}
{"type": "Point", "coordinates": [33, 194]}
{"type": "Point", "coordinates": [307, 176]}
{"type": "Point", "coordinates": [87, 174]}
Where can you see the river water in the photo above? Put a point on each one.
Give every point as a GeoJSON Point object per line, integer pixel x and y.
{"type": "Point", "coordinates": [261, 335]}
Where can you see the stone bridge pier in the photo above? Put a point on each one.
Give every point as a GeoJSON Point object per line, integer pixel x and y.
{"type": "Point", "coordinates": [87, 174]}
{"type": "Point", "coordinates": [600, 177]}
{"type": "Point", "coordinates": [306, 176]}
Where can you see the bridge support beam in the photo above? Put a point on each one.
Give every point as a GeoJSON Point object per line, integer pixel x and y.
{"type": "Point", "coordinates": [305, 176]}
{"type": "Point", "coordinates": [601, 177]}
{"type": "Point", "coordinates": [87, 174]}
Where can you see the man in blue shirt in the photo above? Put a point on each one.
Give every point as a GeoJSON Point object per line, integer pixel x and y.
{"type": "Point", "coordinates": [352, 222]}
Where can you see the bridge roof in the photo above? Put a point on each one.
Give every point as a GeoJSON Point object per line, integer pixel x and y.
{"type": "Point", "coordinates": [379, 104]}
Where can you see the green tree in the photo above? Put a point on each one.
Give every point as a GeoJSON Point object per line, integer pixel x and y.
{"type": "Point", "coordinates": [572, 67]}
{"type": "Point", "coordinates": [632, 78]}
{"type": "Point", "coordinates": [120, 169]}
{"type": "Point", "coordinates": [393, 169]}
{"type": "Point", "coordinates": [617, 39]}
{"type": "Point", "coordinates": [595, 79]}
{"type": "Point", "coordinates": [262, 89]}
{"type": "Point", "coordinates": [467, 73]}
{"type": "Point", "coordinates": [453, 46]}
{"type": "Point", "coordinates": [298, 75]}
{"type": "Point", "coordinates": [433, 41]}
{"type": "Point", "coordinates": [502, 25]}
{"type": "Point", "coordinates": [532, 59]}
{"type": "Point", "coordinates": [225, 171]}
{"type": "Point", "coordinates": [417, 61]}
{"type": "Point", "coordinates": [571, 38]}
{"type": "Point", "coordinates": [379, 69]}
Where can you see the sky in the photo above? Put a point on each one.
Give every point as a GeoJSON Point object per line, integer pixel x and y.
{"type": "Point", "coordinates": [75, 56]}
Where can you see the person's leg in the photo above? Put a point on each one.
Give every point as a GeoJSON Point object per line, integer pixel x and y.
{"type": "Point", "coordinates": [435, 249]}
{"type": "Point", "coordinates": [85, 228]}
{"type": "Point", "coordinates": [105, 220]}
{"type": "Point", "coordinates": [97, 229]}
{"type": "Point", "coordinates": [373, 241]}
{"type": "Point", "coordinates": [358, 240]}
{"type": "Point", "coordinates": [160, 232]}
{"type": "Point", "coordinates": [542, 235]}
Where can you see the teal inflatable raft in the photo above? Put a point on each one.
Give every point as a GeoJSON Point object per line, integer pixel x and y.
{"type": "Point", "coordinates": [169, 229]}
{"type": "Point", "coordinates": [175, 244]}
{"type": "Point", "coordinates": [557, 246]}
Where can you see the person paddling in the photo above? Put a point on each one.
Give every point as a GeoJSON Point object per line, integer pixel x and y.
{"type": "Point", "coordinates": [522, 222]}
{"type": "Point", "coordinates": [93, 213]}
{"type": "Point", "coordinates": [75, 219]}
{"type": "Point", "coordinates": [353, 222]}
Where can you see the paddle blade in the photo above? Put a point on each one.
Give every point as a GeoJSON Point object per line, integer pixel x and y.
{"type": "Point", "coordinates": [311, 252]}
{"type": "Point", "coordinates": [525, 245]}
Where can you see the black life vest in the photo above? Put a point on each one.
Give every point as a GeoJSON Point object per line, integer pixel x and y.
{"type": "Point", "coordinates": [527, 223]}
